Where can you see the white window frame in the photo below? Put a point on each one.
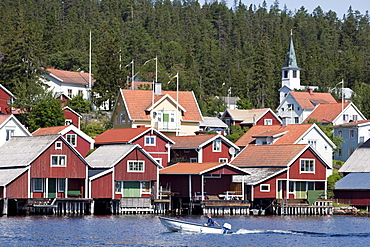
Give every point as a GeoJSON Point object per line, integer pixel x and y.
{"type": "Point", "coordinates": [34, 185]}
{"type": "Point", "coordinates": [264, 190]}
{"type": "Point", "coordinates": [312, 143]}
{"type": "Point", "coordinates": [70, 93]}
{"type": "Point", "coordinates": [223, 160]}
{"type": "Point", "coordinates": [193, 160]}
{"type": "Point", "coordinates": [123, 117]}
{"type": "Point", "coordinates": [306, 167]}
{"type": "Point", "coordinates": [268, 121]}
{"type": "Point", "coordinates": [61, 185]}
{"type": "Point", "coordinates": [118, 189]}
{"type": "Point", "coordinates": [345, 117]}
{"type": "Point", "coordinates": [9, 134]}
{"type": "Point", "coordinates": [216, 145]}
{"type": "Point", "coordinates": [58, 145]}
{"type": "Point", "coordinates": [136, 166]}
{"type": "Point", "coordinates": [143, 189]}
{"type": "Point", "coordinates": [74, 137]}
{"type": "Point", "coordinates": [212, 176]}
{"type": "Point", "coordinates": [148, 142]}
{"type": "Point", "coordinates": [58, 160]}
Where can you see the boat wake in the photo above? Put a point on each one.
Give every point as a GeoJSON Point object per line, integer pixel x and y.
{"type": "Point", "coordinates": [291, 232]}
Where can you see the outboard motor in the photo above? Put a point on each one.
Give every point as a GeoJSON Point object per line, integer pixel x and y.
{"type": "Point", "coordinates": [226, 227]}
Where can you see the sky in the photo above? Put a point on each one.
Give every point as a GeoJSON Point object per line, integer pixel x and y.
{"type": "Point", "coordinates": [338, 6]}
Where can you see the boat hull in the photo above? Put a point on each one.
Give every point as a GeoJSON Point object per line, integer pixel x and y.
{"type": "Point", "coordinates": [183, 226]}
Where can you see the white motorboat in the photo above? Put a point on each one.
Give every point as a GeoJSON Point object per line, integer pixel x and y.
{"type": "Point", "coordinates": [184, 226]}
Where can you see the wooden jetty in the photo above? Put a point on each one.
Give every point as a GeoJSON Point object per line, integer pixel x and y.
{"type": "Point", "coordinates": [225, 207]}
{"type": "Point", "coordinates": [302, 207]}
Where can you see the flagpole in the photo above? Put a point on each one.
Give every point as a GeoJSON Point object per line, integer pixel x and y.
{"type": "Point", "coordinates": [177, 105]}
{"type": "Point", "coordinates": [342, 95]}
{"type": "Point", "coordinates": [156, 69]}
{"type": "Point", "coordinates": [89, 97]}
{"type": "Point", "coordinates": [132, 78]}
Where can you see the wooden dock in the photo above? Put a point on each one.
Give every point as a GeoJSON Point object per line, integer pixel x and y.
{"type": "Point", "coordinates": [225, 207]}
{"type": "Point", "coordinates": [301, 207]}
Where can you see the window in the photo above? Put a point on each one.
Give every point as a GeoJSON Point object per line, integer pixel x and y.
{"type": "Point", "coordinates": [290, 107]}
{"type": "Point", "coordinates": [68, 122]}
{"type": "Point", "coordinates": [351, 133]}
{"type": "Point", "coordinates": [296, 120]}
{"type": "Point", "coordinates": [227, 121]}
{"type": "Point", "coordinates": [119, 186]}
{"type": "Point", "coordinates": [116, 119]}
{"type": "Point", "coordinates": [172, 118]}
{"type": "Point", "coordinates": [268, 121]}
{"type": "Point", "coordinates": [80, 92]}
{"type": "Point", "coordinates": [9, 134]}
{"type": "Point", "coordinates": [123, 117]}
{"type": "Point", "coordinates": [312, 143]}
{"type": "Point", "coordinates": [285, 74]}
{"type": "Point", "coordinates": [223, 160]}
{"type": "Point", "coordinates": [37, 185]}
{"type": "Point", "coordinates": [354, 117]}
{"type": "Point", "coordinates": [61, 184]}
{"type": "Point", "coordinates": [351, 150]}
{"type": "Point", "coordinates": [69, 93]}
{"type": "Point", "coordinates": [340, 133]}
{"type": "Point", "coordinates": [345, 117]}
{"type": "Point", "coordinates": [265, 188]}
{"type": "Point", "coordinates": [193, 160]}
{"type": "Point", "coordinates": [212, 176]}
{"type": "Point", "coordinates": [159, 116]}
{"type": "Point", "coordinates": [58, 160]}
{"type": "Point", "coordinates": [58, 145]}
{"type": "Point", "coordinates": [291, 186]}
{"type": "Point", "coordinates": [135, 166]}
{"type": "Point", "coordinates": [340, 152]}
{"type": "Point", "coordinates": [149, 141]}
{"type": "Point", "coordinates": [307, 166]}
{"type": "Point", "coordinates": [72, 139]}
{"type": "Point", "coordinates": [217, 145]}
{"type": "Point", "coordinates": [145, 187]}
{"type": "Point", "coordinates": [294, 74]}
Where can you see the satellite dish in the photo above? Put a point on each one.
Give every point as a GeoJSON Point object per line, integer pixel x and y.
{"type": "Point", "coordinates": [231, 150]}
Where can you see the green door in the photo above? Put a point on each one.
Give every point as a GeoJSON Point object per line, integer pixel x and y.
{"type": "Point", "coordinates": [301, 192]}
{"type": "Point", "coordinates": [131, 189]}
{"type": "Point", "coordinates": [166, 119]}
{"type": "Point", "coordinates": [52, 187]}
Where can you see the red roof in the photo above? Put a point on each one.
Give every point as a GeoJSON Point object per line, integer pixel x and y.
{"type": "Point", "coordinates": [354, 123]}
{"type": "Point", "coordinates": [49, 130]}
{"type": "Point", "coordinates": [272, 155]}
{"type": "Point", "coordinates": [139, 101]}
{"type": "Point", "coordinates": [293, 132]}
{"type": "Point", "coordinates": [119, 135]}
{"type": "Point", "coordinates": [193, 168]}
{"type": "Point", "coordinates": [191, 141]}
{"type": "Point", "coordinates": [4, 117]}
{"type": "Point", "coordinates": [326, 113]}
{"type": "Point", "coordinates": [308, 100]}
{"type": "Point", "coordinates": [70, 76]}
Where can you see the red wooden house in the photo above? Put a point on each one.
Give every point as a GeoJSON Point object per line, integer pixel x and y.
{"type": "Point", "coordinates": [6, 99]}
{"type": "Point", "coordinates": [76, 137]}
{"type": "Point", "coordinates": [248, 118]}
{"type": "Point", "coordinates": [72, 117]}
{"type": "Point", "coordinates": [41, 167]}
{"type": "Point", "coordinates": [189, 180]}
{"type": "Point", "coordinates": [281, 171]}
{"type": "Point", "coordinates": [202, 148]}
{"type": "Point", "coordinates": [153, 141]}
{"type": "Point", "coordinates": [122, 170]}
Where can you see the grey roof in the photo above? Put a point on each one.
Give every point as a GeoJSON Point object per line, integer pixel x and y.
{"type": "Point", "coordinates": [291, 60]}
{"type": "Point", "coordinates": [108, 156]}
{"type": "Point", "coordinates": [212, 122]}
{"type": "Point", "coordinates": [20, 151]}
{"type": "Point", "coordinates": [359, 161]}
{"type": "Point", "coordinates": [8, 175]}
{"type": "Point", "coordinates": [354, 181]}
{"type": "Point", "coordinates": [93, 172]}
{"type": "Point", "coordinates": [258, 175]}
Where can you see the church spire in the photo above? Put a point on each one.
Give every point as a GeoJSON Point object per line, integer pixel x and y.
{"type": "Point", "coordinates": [291, 60]}
{"type": "Point", "coordinates": [290, 71]}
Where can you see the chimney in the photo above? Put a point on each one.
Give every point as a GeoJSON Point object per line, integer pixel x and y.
{"type": "Point", "coordinates": [310, 91]}
{"type": "Point", "coordinates": [157, 88]}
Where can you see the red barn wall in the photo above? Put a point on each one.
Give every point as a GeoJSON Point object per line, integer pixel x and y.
{"type": "Point", "coordinates": [75, 168]}
{"type": "Point", "coordinates": [150, 169]}
{"type": "Point", "coordinates": [102, 186]}
{"type": "Point", "coordinates": [178, 184]}
{"type": "Point", "coordinates": [210, 156]}
{"type": "Point", "coordinates": [273, 183]}
{"type": "Point", "coordinates": [18, 188]}
{"type": "Point", "coordinates": [3, 102]}
{"type": "Point", "coordinates": [268, 115]}
{"type": "Point", "coordinates": [158, 151]}
{"type": "Point", "coordinates": [72, 116]}
{"type": "Point", "coordinates": [320, 169]}
{"type": "Point", "coordinates": [83, 146]}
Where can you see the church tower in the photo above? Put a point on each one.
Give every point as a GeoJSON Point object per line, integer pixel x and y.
{"type": "Point", "coordinates": [290, 72]}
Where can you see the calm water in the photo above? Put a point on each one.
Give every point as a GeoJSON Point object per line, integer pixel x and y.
{"type": "Point", "coordinates": [148, 231]}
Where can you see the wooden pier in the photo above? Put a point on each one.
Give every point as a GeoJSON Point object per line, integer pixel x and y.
{"type": "Point", "coordinates": [301, 207]}
{"type": "Point", "coordinates": [225, 207]}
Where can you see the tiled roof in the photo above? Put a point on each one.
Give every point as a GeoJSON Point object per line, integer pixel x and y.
{"type": "Point", "coordinates": [3, 118]}
{"type": "Point", "coordinates": [119, 135]}
{"type": "Point", "coordinates": [247, 116]}
{"type": "Point", "coordinates": [308, 101]}
{"type": "Point", "coordinates": [327, 113]}
{"type": "Point", "coordinates": [138, 101]}
{"type": "Point", "coordinates": [70, 76]}
{"type": "Point", "coordinates": [293, 132]}
{"type": "Point", "coordinates": [49, 130]}
{"type": "Point", "coordinates": [192, 168]}
{"type": "Point", "coordinates": [354, 123]}
{"type": "Point", "coordinates": [190, 141]}
{"type": "Point", "coordinates": [268, 155]}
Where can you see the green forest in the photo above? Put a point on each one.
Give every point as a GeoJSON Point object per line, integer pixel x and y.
{"type": "Point", "coordinates": [212, 47]}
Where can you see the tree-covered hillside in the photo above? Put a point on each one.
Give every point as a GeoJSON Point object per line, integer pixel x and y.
{"type": "Point", "coordinates": [242, 47]}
